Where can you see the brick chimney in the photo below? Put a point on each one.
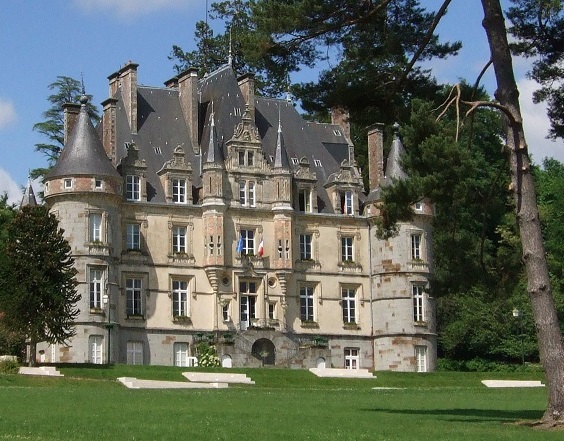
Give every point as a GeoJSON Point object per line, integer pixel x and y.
{"type": "Point", "coordinates": [375, 155]}
{"type": "Point", "coordinates": [109, 128]}
{"type": "Point", "coordinates": [188, 94]}
{"type": "Point", "coordinates": [247, 86]}
{"type": "Point", "coordinates": [340, 117]}
{"type": "Point", "coordinates": [128, 85]}
{"type": "Point", "coordinates": [70, 112]}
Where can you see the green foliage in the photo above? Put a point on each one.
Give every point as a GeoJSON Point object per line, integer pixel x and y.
{"type": "Point", "coordinates": [9, 367]}
{"type": "Point", "coordinates": [37, 282]}
{"type": "Point", "coordinates": [65, 90]}
{"type": "Point", "coordinates": [537, 26]}
{"type": "Point", "coordinates": [483, 365]}
{"type": "Point", "coordinates": [207, 355]}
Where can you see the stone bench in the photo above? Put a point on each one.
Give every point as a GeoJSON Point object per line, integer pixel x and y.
{"type": "Point", "coordinates": [341, 373]}
{"type": "Point", "coordinates": [218, 377]}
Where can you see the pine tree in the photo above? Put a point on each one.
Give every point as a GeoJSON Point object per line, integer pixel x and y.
{"type": "Point", "coordinates": [38, 287]}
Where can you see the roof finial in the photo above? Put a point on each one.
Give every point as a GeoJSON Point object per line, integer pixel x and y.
{"type": "Point", "coordinates": [83, 97]}
{"type": "Point", "coordinates": [230, 57]}
{"type": "Point", "coordinates": [288, 96]}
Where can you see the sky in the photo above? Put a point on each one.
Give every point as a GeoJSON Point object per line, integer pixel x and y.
{"type": "Point", "coordinates": [40, 40]}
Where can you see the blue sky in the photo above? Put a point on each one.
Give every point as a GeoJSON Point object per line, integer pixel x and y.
{"type": "Point", "coordinates": [42, 39]}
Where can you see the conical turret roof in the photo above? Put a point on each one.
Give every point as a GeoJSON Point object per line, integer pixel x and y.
{"type": "Point", "coordinates": [280, 155]}
{"type": "Point", "coordinates": [28, 196]}
{"type": "Point", "coordinates": [83, 153]}
{"type": "Point", "coordinates": [214, 155]}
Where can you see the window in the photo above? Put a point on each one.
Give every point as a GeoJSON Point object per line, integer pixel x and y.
{"type": "Point", "coordinates": [133, 298]}
{"type": "Point", "coordinates": [421, 358]}
{"type": "Point", "coordinates": [348, 301]}
{"type": "Point", "coordinates": [97, 183]}
{"type": "Point", "coordinates": [348, 202]}
{"type": "Point", "coordinates": [305, 247]}
{"type": "Point", "coordinates": [133, 237]}
{"type": "Point", "coordinates": [68, 183]}
{"type": "Point", "coordinates": [247, 193]}
{"type": "Point", "coordinates": [352, 358]}
{"type": "Point", "coordinates": [133, 188]}
{"type": "Point", "coordinates": [250, 159]}
{"type": "Point", "coordinates": [95, 227]}
{"type": "Point", "coordinates": [214, 248]}
{"type": "Point", "coordinates": [419, 206]}
{"type": "Point", "coordinates": [246, 245]}
{"type": "Point", "coordinates": [181, 354]}
{"type": "Point", "coordinates": [225, 312]}
{"type": "Point", "coordinates": [295, 161]}
{"type": "Point", "coordinates": [241, 157]}
{"type": "Point", "coordinates": [179, 191]}
{"type": "Point", "coordinates": [416, 246]}
{"type": "Point", "coordinates": [304, 200]}
{"type": "Point", "coordinates": [95, 344]}
{"type": "Point", "coordinates": [418, 304]}
{"type": "Point", "coordinates": [347, 249]}
{"type": "Point", "coordinates": [134, 352]}
{"type": "Point", "coordinates": [306, 304]}
{"type": "Point", "coordinates": [248, 300]}
{"type": "Point", "coordinates": [317, 162]}
{"type": "Point", "coordinates": [180, 298]}
{"type": "Point", "coordinates": [179, 239]}
{"type": "Point", "coordinates": [272, 311]}
{"type": "Point", "coordinates": [96, 288]}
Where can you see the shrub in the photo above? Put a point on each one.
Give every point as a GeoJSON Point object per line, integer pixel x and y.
{"type": "Point", "coordinates": [9, 367]}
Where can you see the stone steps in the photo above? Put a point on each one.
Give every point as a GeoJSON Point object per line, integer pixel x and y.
{"type": "Point", "coordinates": [341, 373]}
{"type": "Point", "coordinates": [49, 371]}
{"type": "Point", "coordinates": [135, 383]}
{"type": "Point", "coordinates": [511, 383]}
{"type": "Point", "coordinates": [218, 377]}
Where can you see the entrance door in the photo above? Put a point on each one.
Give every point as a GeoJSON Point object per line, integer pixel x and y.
{"type": "Point", "coordinates": [247, 311]}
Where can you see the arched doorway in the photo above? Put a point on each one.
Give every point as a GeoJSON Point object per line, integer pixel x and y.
{"type": "Point", "coordinates": [264, 350]}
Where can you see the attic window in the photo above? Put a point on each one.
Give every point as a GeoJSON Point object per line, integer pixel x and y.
{"type": "Point", "coordinates": [237, 111]}
{"type": "Point", "coordinates": [158, 151]}
{"type": "Point", "coordinates": [419, 206]}
{"type": "Point", "coordinates": [295, 161]}
{"type": "Point", "coordinates": [271, 158]}
{"type": "Point", "coordinates": [317, 162]}
{"type": "Point", "coordinates": [337, 132]}
{"type": "Point", "coordinates": [97, 183]}
{"type": "Point", "coordinates": [68, 183]}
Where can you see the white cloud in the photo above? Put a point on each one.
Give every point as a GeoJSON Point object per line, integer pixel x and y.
{"type": "Point", "coordinates": [7, 113]}
{"type": "Point", "coordinates": [134, 8]}
{"type": "Point", "coordinates": [537, 125]}
{"type": "Point", "coordinates": [9, 186]}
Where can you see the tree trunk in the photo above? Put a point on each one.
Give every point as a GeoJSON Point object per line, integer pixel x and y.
{"type": "Point", "coordinates": [538, 283]}
{"type": "Point", "coordinates": [32, 361]}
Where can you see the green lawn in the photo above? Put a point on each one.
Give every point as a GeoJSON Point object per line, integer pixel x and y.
{"type": "Point", "coordinates": [88, 404]}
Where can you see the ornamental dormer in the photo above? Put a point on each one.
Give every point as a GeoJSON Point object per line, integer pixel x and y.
{"type": "Point", "coordinates": [305, 192]}
{"type": "Point", "coordinates": [134, 171]}
{"type": "Point", "coordinates": [344, 188]}
{"type": "Point", "coordinates": [176, 178]}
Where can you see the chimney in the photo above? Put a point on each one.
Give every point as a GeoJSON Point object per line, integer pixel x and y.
{"type": "Point", "coordinates": [375, 155]}
{"type": "Point", "coordinates": [70, 111]}
{"type": "Point", "coordinates": [172, 83]}
{"type": "Point", "coordinates": [340, 117]}
{"type": "Point", "coordinates": [128, 84]}
{"type": "Point", "coordinates": [188, 94]}
{"type": "Point", "coordinates": [247, 86]}
{"type": "Point", "coordinates": [114, 84]}
{"type": "Point", "coordinates": [109, 128]}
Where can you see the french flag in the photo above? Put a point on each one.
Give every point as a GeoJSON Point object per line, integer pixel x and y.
{"type": "Point", "coordinates": [261, 248]}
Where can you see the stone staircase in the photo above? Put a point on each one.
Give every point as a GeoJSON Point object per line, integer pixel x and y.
{"type": "Point", "coordinates": [135, 383]}
{"type": "Point", "coordinates": [49, 371]}
{"type": "Point", "coordinates": [341, 373]}
{"type": "Point", "coordinates": [218, 377]}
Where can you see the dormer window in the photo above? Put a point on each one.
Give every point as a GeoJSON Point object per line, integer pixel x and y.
{"type": "Point", "coordinates": [250, 158]}
{"type": "Point", "coordinates": [179, 191]}
{"type": "Point", "coordinates": [98, 184]}
{"type": "Point", "coordinates": [347, 202]}
{"type": "Point", "coordinates": [304, 200]}
{"type": "Point", "coordinates": [295, 161]}
{"type": "Point", "coordinates": [247, 193]}
{"type": "Point", "coordinates": [133, 188]}
{"type": "Point", "coordinates": [419, 206]}
{"type": "Point", "coordinates": [317, 162]}
{"type": "Point", "coordinates": [241, 158]}
{"type": "Point", "coordinates": [67, 183]}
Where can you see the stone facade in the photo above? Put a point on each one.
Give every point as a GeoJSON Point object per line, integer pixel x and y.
{"type": "Point", "coordinates": [211, 214]}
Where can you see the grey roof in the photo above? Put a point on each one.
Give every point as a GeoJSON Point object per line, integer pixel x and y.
{"type": "Point", "coordinates": [28, 196]}
{"type": "Point", "coordinates": [160, 129]}
{"type": "Point", "coordinates": [83, 153]}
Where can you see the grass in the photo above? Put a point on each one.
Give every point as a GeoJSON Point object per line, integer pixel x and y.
{"type": "Point", "coordinates": [88, 404]}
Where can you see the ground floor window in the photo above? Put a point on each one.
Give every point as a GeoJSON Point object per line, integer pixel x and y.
{"type": "Point", "coordinates": [134, 352]}
{"type": "Point", "coordinates": [181, 354]}
{"type": "Point", "coordinates": [352, 358]}
{"type": "Point", "coordinates": [421, 358]}
{"type": "Point", "coordinates": [95, 344]}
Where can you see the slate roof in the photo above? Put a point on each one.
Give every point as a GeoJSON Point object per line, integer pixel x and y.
{"type": "Point", "coordinates": [83, 154]}
{"type": "Point", "coordinates": [28, 196]}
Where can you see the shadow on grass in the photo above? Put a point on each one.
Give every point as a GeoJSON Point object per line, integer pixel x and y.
{"type": "Point", "coordinates": [468, 415]}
